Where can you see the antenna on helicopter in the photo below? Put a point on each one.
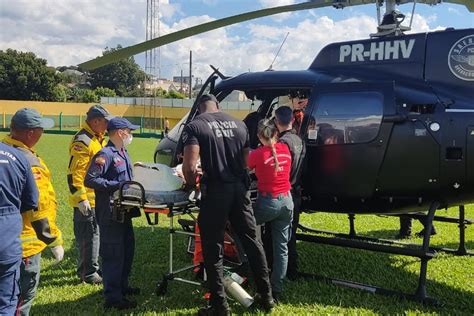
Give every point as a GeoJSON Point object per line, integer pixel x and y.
{"type": "Point", "coordinates": [391, 22]}
{"type": "Point", "coordinates": [278, 52]}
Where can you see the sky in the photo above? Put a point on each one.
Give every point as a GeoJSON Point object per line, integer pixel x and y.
{"type": "Point", "coordinates": [69, 32]}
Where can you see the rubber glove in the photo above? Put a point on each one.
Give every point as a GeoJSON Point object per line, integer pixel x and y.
{"type": "Point", "coordinates": [58, 253]}
{"type": "Point", "coordinates": [85, 207]}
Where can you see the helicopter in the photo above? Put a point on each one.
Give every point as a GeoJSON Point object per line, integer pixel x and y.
{"type": "Point", "coordinates": [388, 125]}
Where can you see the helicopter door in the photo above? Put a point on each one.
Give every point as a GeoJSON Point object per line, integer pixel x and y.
{"type": "Point", "coordinates": [207, 87]}
{"type": "Point", "coordinates": [345, 138]}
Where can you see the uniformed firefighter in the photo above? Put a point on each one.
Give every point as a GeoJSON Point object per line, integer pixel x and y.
{"type": "Point", "coordinates": [109, 168]}
{"type": "Point", "coordinates": [39, 227]}
{"type": "Point", "coordinates": [18, 193]}
{"type": "Point", "coordinates": [85, 144]}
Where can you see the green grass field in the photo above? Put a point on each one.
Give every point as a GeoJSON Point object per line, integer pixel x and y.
{"type": "Point", "coordinates": [450, 278]}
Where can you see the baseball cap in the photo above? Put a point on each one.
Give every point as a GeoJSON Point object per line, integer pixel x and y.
{"type": "Point", "coordinates": [120, 123]}
{"type": "Point", "coordinates": [98, 111]}
{"type": "Point", "coordinates": [208, 97]}
{"type": "Point", "coordinates": [284, 114]}
{"type": "Point", "coordinates": [27, 118]}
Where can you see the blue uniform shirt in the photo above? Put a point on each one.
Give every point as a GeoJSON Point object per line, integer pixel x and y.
{"type": "Point", "coordinates": [108, 168]}
{"type": "Point", "coordinates": [18, 192]}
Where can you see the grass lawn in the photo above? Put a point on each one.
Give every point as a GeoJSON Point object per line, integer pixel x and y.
{"type": "Point", "coordinates": [450, 278]}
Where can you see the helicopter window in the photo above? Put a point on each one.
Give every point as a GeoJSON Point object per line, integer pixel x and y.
{"type": "Point", "coordinates": [422, 108]}
{"type": "Point", "coordinates": [346, 118]}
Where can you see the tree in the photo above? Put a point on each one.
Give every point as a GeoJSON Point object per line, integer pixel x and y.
{"type": "Point", "coordinates": [123, 76]}
{"type": "Point", "coordinates": [23, 76]}
{"type": "Point", "coordinates": [89, 96]}
{"type": "Point", "coordinates": [104, 92]}
{"type": "Point", "coordinates": [175, 95]}
{"type": "Point", "coordinates": [60, 93]}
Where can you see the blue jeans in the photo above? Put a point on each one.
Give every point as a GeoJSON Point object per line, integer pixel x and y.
{"type": "Point", "coordinates": [29, 280]}
{"type": "Point", "coordinates": [279, 212]}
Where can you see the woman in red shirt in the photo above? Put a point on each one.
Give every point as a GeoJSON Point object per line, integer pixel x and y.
{"type": "Point", "coordinates": [272, 164]}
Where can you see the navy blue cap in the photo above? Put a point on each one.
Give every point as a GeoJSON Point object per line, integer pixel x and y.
{"type": "Point", "coordinates": [27, 118]}
{"type": "Point", "coordinates": [120, 123]}
{"type": "Point", "coordinates": [98, 111]}
{"type": "Point", "coordinates": [284, 114]}
{"type": "Point", "coordinates": [208, 97]}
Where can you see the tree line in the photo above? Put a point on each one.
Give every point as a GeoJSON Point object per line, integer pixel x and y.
{"type": "Point", "coordinates": [24, 76]}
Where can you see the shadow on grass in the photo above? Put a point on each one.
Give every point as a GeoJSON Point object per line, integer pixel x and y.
{"type": "Point", "coordinates": [377, 269]}
{"type": "Point", "coordinates": [151, 262]}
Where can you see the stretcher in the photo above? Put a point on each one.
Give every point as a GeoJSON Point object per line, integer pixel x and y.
{"type": "Point", "coordinates": [132, 194]}
{"type": "Point", "coordinates": [153, 195]}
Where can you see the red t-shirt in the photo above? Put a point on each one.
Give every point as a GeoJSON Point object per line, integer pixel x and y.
{"type": "Point", "coordinates": [269, 181]}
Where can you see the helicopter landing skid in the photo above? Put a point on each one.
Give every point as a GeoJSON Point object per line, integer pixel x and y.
{"type": "Point", "coordinates": [461, 221]}
{"type": "Point", "coordinates": [424, 253]}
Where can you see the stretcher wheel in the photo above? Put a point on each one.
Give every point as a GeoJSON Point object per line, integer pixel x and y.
{"type": "Point", "coordinates": [162, 287]}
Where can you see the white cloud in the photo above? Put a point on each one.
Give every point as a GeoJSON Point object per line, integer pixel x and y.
{"type": "Point", "coordinates": [69, 32]}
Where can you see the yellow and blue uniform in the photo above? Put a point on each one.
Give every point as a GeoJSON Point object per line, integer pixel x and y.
{"type": "Point", "coordinates": [18, 193]}
{"type": "Point", "coordinates": [110, 167]}
{"type": "Point", "coordinates": [39, 226]}
{"type": "Point", "coordinates": [83, 147]}
{"type": "Point", "coordinates": [85, 144]}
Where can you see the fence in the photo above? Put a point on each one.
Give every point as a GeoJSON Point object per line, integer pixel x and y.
{"type": "Point", "coordinates": [173, 103]}
{"type": "Point", "coordinates": [63, 123]}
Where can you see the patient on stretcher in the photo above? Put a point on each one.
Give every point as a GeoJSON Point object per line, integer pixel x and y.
{"type": "Point", "coordinates": [161, 183]}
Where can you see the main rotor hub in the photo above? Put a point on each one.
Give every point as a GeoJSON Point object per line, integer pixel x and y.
{"type": "Point", "coordinates": [391, 23]}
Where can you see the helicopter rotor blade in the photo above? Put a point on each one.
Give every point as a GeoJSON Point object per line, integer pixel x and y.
{"type": "Point", "coordinates": [468, 3]}
{"type": "Point", "coordinates": [209, 26]}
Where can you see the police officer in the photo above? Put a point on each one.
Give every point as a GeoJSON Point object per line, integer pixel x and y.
{"type": "Point", "coordinates": [284, 122]}
{"type": "Point", "coordinates": [18, 193]}
{"type": "Point", "coordinates": [39, 227]}
{"type": "Point", "coordinates": [85, 144]}
{"type": "Point", "coordinates": [222, 144]}
{"type": "Point", "coordinates": [108, 168]}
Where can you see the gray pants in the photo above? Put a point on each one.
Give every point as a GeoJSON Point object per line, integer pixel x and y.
{"type": "Point", "coordinates": [86, 232]}
{"type": "Point", "coordinates": [29, 280]}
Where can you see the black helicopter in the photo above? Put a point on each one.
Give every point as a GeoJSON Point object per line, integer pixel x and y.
{"type": "Point", "coordinates": [389, 124]}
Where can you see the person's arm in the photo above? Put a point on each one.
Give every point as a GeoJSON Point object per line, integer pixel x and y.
{"type": "Point", "coordinates": [43, 220]}
{"type": "Point", "coordinates": [191, 154]}
{"type": "Point", "coordinates": [245, 153]}
{"type": "Point", "coordinates": [190, 172]}
{"type": "Point", "coordinates": [252, 159]}
{"type": "Point", "coordinates": [95, 174]}
{"type": "Point", "coordinates": [29, 194]}
{"type": "Point", "coordinates": [78, 163]}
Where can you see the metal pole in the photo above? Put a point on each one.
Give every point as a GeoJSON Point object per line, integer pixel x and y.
{"type": "Point", "coordinates": [190, 74]}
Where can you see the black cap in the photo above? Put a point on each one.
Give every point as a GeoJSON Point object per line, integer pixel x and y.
{"type": "Point", "coordinates": [27, 118]}
{"type": "Point", "coordinates": [284, 114]}
{"type": "Point", "coordinates": [120, 123]}
{"type": "Point", "coordinates": [98, 111]}
{"type": "Point", "coordinates": [208, 97]}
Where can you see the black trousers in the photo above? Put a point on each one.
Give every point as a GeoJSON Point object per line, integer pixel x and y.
{"type": "Point", "coordinates": [292, 252]}
{"type": "Point", "coordinates": [222, 202]}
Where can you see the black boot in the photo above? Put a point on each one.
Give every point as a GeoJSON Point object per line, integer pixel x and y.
{"type": "Point", "coordinates": [421, 233]}
{"type": "Point", "coordinates": [265, 302]}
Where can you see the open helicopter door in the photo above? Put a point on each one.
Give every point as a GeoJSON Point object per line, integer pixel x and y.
{"type": "Point", "coordinates": [207, 87]}
{"type": "Point", "coordinates": [346, 136]}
